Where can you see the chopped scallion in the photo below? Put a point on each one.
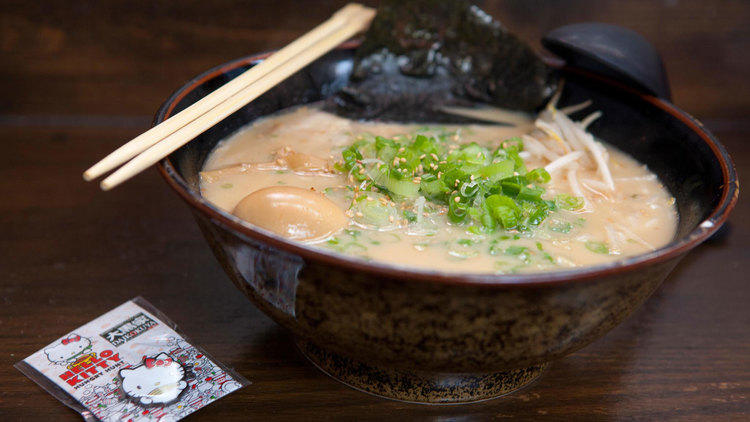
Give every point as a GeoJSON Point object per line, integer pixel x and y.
{"type": "Point", "coordinates": [597, 247]}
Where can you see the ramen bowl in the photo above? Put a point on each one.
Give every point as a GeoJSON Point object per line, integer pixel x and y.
{"type": "Point", "coordinates": [437, 337]}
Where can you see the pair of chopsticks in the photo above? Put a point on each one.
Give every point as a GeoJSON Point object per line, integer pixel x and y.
{"type": "Point", "coordinates": [161, 140]}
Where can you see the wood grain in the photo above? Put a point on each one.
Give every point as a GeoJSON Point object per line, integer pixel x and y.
{"type": "Point", "coordinates": [77, 80]}
{"type": "Point", "coordinates": [114, 57]}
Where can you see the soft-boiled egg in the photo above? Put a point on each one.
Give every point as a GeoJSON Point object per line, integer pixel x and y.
{"type": "Point", "coordinates": [292, 212]}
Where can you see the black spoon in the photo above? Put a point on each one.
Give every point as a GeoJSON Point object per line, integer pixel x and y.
{"type": "Point", "coordinates": [613, 51]}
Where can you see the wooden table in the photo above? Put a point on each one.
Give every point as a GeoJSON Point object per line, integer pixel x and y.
{"type": "Point", "coordinates": [78, 80]}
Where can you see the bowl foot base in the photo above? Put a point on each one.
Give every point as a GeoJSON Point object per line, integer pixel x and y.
{"type": "Point", "coordinates": [418, 387]}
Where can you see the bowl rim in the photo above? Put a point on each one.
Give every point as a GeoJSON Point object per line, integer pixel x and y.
{"type": "Point", "coordinates": [674, 249]}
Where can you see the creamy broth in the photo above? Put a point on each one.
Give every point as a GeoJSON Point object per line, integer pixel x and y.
{"type": "Point", "coordinates": [637, 216]}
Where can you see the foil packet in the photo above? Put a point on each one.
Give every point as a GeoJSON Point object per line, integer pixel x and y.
{"type": "Point", "coordinates": [130, 364]}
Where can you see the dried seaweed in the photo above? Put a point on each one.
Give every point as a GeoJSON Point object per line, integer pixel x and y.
{"type": "Point", "coordinates": [420, 55]}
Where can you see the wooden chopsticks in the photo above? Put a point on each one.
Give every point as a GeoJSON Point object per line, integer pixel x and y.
{"type": "Point", "coordinates": [159, 141]}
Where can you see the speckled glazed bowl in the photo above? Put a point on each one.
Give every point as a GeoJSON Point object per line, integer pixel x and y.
{"type": "Point", "coordinates": [428, 336]}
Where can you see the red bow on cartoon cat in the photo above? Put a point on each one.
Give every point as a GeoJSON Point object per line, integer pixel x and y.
{"type": "Point", "coordinates": [151, 362]}
{"type": "Point", "coordinates": [71, 339]}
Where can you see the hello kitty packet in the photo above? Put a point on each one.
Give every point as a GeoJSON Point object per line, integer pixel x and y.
{"type": "Point", "coordinates": [130, 364]}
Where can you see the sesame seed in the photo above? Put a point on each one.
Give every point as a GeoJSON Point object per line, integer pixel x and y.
{"type": "Point", "coordinates": [456, 199]}
{"type": "Point", "coordinates": [359, 214]}
{"type": "Point", "coordinates": [390, 218]}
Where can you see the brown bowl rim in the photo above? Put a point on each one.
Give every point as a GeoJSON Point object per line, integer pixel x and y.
{"type": "Point", "coordinates": [674, 249]}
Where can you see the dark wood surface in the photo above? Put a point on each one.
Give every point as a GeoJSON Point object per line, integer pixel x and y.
{"type": "Point", "coordinates": [79, 78]}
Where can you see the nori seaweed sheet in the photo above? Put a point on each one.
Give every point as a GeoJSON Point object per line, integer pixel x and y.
{"type": "Point", "coordinates": [419, 55]}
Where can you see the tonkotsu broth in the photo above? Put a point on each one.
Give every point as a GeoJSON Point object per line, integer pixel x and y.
{"type": "Point", "coordinates": [638, 216]}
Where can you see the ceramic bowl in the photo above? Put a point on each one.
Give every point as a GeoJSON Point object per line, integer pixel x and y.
{"type": "Point", "coordinates": [435, 337]}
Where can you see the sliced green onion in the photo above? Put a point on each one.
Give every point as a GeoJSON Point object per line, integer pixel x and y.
{"type": "Point", "coordinates": [597, 247]}
{"type": "Point", "coordinates": [513, 144]}
{"type": "Point", "coordinates": [530, 194]}
{"type": "Point", "coordinates": [373, 209]}
{"type": "Point", "coordinates": [483, 189]}
{"type": "Point", "coordinates": [497, 171]}
{"type": "Point", "coordinates": [457, 211]}
{"type": "Point", "coordinates": [539, 175]}
{"type": "Point", "coordinates": [433, 188]}
{"type": "Point", "coordinates": [569, 202]}
{"type": "Point", "coordinates": [410, 216]}
{"type": "Point", "coordinates": [516, 250]}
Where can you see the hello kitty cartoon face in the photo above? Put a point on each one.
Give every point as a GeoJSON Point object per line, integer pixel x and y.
{"type": "Point", "coordinates": [157, 380]}
{"type": "Point", "coordinates": [66, 350]}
